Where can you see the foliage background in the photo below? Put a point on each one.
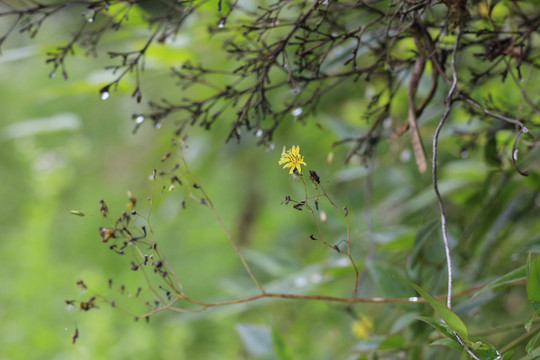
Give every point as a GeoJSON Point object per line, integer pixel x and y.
{"type": "Point", "coordinates": [62, 148]}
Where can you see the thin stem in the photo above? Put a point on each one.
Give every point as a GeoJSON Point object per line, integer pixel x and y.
{"type": "Point", "coordinates": [373, 300]}
{"type": "Point", "coordinates": [434, 168]}
{"type": "Point", "coordinates": [222, 224]}
{"type": "Point", "coordinates": [449, 102]}
{"type": "Point", "coordinates": [469, 351]}
{"type": "Point", "coordinates": [345, 215]}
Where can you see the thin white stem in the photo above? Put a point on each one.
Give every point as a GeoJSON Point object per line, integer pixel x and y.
{"type": "Point", "coordinates": [446, 113]}
{"type": "Point", "coordinates": [434, 168]}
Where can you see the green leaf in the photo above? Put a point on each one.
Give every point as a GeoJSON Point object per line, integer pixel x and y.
{"type": "Point", "coordinates": [533, 281]}
{"type": "Point", "coordinates": [528, 264]}
{"type": "Point", "coordinates": [438, 325]}
{"type": "Point", "coordinates": [452, 344]}
{"type": "Point", "coordinates": [508, 355]}
{"type": "Point", "coordinates": [392, 342]}
{"type": "Point", "coordinates": [528, 323]}
{"type": "Point", "coordinates": [532, 343]}
{"type": "Point", "coordinates": [449, 317]}
{"type": "Point", "coordinates": [280, 347]}
{"type": "Point", "coordinates": [514, 275]}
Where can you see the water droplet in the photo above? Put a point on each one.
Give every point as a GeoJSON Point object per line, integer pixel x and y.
{"type": "Point", "coordinates": [65, 329]}
{"type": "Point", "coordinates": [104, 95]}
{"type": "Point", "coordinates": [221, 25]}
{"type": "Point", "coordinates": [52, 74]}
{"type": "Point", "coordinates": [270, 147]}
{"type": "Point", "coordinates": [259, 133]}
{"type": "Point", "coordinates": [525, 130]}
{"type": "Point", "coordinates": [297, 111]}
{"type": "Point", "coordinates": [515, 154]}
{"type": "Point", "coordinates": [157, 125]}
{"type": "Point", "coordinates": [325, 2]}
{"type": "Point", "coordinates": [139, 119]}
{"type": "Point", "coordinates": [89, 15]}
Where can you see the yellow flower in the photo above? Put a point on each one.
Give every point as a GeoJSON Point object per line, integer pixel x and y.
{"type": "Point", "coordinates": [292, 159]}
{"type": "Point", "coordinates": [362, 327]}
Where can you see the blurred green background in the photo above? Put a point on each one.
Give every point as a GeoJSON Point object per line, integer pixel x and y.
{"type": "Point", "coordinates": [63, 149]}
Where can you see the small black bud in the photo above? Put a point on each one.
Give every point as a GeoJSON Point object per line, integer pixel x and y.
{"type": "Point", "coordinates": [314, 177]}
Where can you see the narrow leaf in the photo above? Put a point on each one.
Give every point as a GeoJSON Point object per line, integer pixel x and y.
{"type": "Point", "coordinates": [528, 323]}
{"type": "Point", "coordinates": [531, 344]}
{"type": "Point", "coordinates": [449, 317]}
{"type": "Point", "coordinates": [438, 325]}
{"type": "Point", "coordinates": [533, 281]}
{"type": "Point", "coordinates": [452, 344]}
{"type": "Point", "coordinates": [514, 275]}
{"type": "Point", "coordinates": [508, 355]}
